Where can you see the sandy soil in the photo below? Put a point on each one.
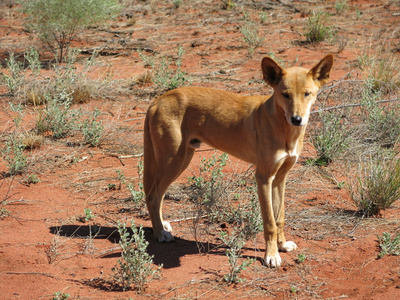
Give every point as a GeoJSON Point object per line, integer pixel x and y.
{"type": "Point", "coordinates": [46, 246]}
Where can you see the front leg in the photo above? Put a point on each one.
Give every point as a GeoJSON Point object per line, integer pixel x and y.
{"type": "Point", "coordinates": [278, 203]}
{"type": "Point", "coordinates": [264, 185]}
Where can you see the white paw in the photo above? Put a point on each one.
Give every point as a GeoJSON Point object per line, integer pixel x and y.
{"type": "Point", "coordinates": [166, 235]}
{"type": "Point", "coordinates": [288, 246]}
{"type": "Point", "coordinates": [167, 226]}
{"type": "Point", "coordinates": [273, 261]}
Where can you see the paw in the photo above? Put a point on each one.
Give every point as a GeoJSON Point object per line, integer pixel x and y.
{"type": "Point", "coordinates": [273, 261]}
{"type": "Point", "coordinates": [166, 235]}
{"type": "Point", "coordinates": [288, 246]}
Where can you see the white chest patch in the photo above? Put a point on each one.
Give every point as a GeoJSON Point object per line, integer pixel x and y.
{"type": "Point", "coordinates": [283, 154]}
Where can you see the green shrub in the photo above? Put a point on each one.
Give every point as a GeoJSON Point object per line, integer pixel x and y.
{"type": "Point", "coordinates": [317, 28]}
{"type": "Point", "coordinates": [383, 121]}
{"type": "Point", "coordinates": [389, 245]}
{"type": "Point", "coordinates": [234, 243]}
{"type": "Point", "coordinates": [341, 6]}
{"type": "Point", "coordinates": [251, 35]}
{"type": "Point", "coordinates": [376, 186]}
{"type": "Point", "coordinates": [57, 22]}
{"type": "Point", "coordinates": [56, 119]}
{"type": "Point", "coordinates": [92, 129]}
{"type": "Point", "coordinates": [136, 190]}
{"type": "Point", "coordinates": [135, 268]}
{"type": "Point", "coordinates": [15, 76]}
{"type": "Point", "coordinates": [13, 155]}
{"type": "Point", "coordinates": [166, 75]}
{"type": "Point", "coordinates": [330, 139]}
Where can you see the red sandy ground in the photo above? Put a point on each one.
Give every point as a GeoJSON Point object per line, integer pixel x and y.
{"type": "Point", "coordinates": [341, 250]}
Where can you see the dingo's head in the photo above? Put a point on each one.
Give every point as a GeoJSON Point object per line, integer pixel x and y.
{"type": "Point", "coordinates": [295, 89]}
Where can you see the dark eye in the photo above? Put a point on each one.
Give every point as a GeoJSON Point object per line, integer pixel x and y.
{"type": "Point", "coordinates": [286, 95]}
{"type": "Point", "coordinates": [307, 94]}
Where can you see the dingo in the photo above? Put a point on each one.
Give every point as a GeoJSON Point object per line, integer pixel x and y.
{"type": "Point", "coordinates": [266, 131]}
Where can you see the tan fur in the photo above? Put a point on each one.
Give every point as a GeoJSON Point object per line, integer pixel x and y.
{"type": "Point", "coordinates": [265, 131]}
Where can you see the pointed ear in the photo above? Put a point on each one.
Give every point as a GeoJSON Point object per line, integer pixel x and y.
{"type": "Point", "coordinates": [272, 72]}
{"type": "Point", "coordinates": [321, 71]}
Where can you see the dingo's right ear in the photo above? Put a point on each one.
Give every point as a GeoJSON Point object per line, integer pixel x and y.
{"type": "Point", "coordinates": [272, 72]}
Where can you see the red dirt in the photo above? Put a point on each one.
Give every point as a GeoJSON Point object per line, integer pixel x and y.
{"type": "Point", "coordinates": [45, 248]}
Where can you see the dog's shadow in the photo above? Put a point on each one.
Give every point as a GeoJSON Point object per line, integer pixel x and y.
{"type": "Point", "coordinates": [167, 254]}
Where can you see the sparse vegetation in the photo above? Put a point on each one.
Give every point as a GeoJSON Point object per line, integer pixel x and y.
{"type": "Point", "coordinates": [136, 190]}
{"type": "Point", "coordinates": [331, 139]}
{"type": "Point", "coordinates": [13, 155]}
{"type": "Point", "coordinates": [58, 22]}
{"type": "Point", "coordinates": [355, 131]}
{"type": "Point", "coordinates": [318, 29]}
{"type": "Point", "coordinates": [234, 243]}
{"type": "Point", "coordinates": [135, 267]}
{"type": "Point", "coordinates": [341, 6]}
{"type": "Point", "coordinates": [166, 76]}
{"type": "Point", "coordinates": [376, 186]}
{"type": "Point", "coordinates": [251, 35]}
{"type": "Point", "coordinates": [388, 245]}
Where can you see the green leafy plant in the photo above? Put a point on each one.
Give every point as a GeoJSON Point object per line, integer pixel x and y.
{"type": "Point", "coordinates": [376, 186]}
{"type": "Point", "coordinates": [88, 215]}
{"type": "Point", "coordinates": [234, 243]}
{"type": "Point", "coordinates": [228, 4]}
{"type": "Point", "coordinates": [317, 28]}
{"type": "Point", "coordinates": [60, 296]}
{"type": "Point", "coordinates": [383, 122]}
{"type": "Point", "coordinates": [330, 139]}
{"type": "Point", "coordinates": [57, 22]}
{"type": "Point", "coordinates": [251, 35]}
{"type": "Point", "coordinates": [56, 118]}
{"type": "Point", "coordinates": [341, 6]}
{"type": "Point", "coordinates": [32, 179]}
{"type": "Point", "coordinates": [208, 185]}
{"type": "Point", "coordinates": [13, 155]}
{"type": "Point", "coordinates": [92, 129]}
{"type": "Point", "coordinates": [136, 190]}
{"type": "Point", "coordinates": [165, 75]}
{"type": "Point", "coordinates": [301, 258]}
{"type": "Point", "coordinates": [388, 245]}
{"type": "Point", "coordinates": [177, 3]}
{"type": "Point", "coordinates": [15, 76]}
{"type": "Point", "coordinates": [135, 268]}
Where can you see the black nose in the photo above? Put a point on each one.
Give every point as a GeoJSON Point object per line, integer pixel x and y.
{"type": "Point", "coordinates": [296, 120]}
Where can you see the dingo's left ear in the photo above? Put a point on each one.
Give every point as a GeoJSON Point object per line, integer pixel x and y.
{"type": "Point", "coordinates": [272, 72]}
{"type": "Point", "coordinates": [321, 71]}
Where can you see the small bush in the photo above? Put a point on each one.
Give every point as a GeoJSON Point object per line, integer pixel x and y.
{"type": "Point", "coordinates": [317, 28]}
{"type": "Point", "coordinates": [92, 129]}
{"type": "Point", "coordinates": [136, 190]}
{"type": "Point", "coordinates": [383, 121]}
{"type": "Point", "coordinates": [208, 186]}
{"type": "Point", "coordinates": [13, 155]}
{"type": "Point", "coordinates": [165, 75]}
{"type": "Point", "coordinates": [388, 245]}
{"type": "Point", "coordinates": [235, 243]}
{"type": "Point", "coordinates": [56, 119]}
{"type": "Point", "coordinates": [341, 6]}
{"type": "Point", "coordinates": [135, 268]}
{"type": "Point", "coordinates": [330, 139]}
{"type": "Point", "coordinates": [251, 35]}
{"type": "Point", "coordinates": [57, 22]}
{"type": "Point", "coordinates": [376, 186]}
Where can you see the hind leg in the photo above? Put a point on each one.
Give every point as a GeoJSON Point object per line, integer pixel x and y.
{"type": "Point", "coordinates": [168, 168]}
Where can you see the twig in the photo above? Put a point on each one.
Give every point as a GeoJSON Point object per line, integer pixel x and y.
{"type": "Point", "coordinates": [351, 105]}
{"type": "Point", "coordinates": [30, 273]}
